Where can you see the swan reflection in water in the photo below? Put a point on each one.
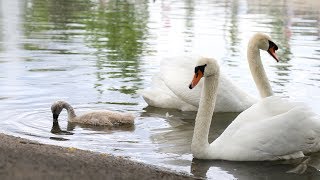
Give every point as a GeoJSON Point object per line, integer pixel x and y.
{"type": "Point", "coordinates": [176, 138]}
{"type": "Point", "coordinates": [256, 170]}
{"type": "Point", "coordinates": [178, 133]}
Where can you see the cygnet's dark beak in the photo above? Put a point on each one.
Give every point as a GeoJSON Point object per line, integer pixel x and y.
{"type": "Point", "coordinates": [55, 117]}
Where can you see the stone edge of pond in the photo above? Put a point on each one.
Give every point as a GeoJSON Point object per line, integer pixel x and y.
{"type": "Point", "coordinates": [26, 159]}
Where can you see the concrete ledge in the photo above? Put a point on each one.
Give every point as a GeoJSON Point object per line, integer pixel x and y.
{"type": "Point", "coordinates": [24, 159]}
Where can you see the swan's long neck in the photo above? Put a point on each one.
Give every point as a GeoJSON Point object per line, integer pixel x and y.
{"type": "Point", "coordinates": [70, 110]}
{"type": "Point", "coordinates": [200, 142]}
{"type": "Point", "coordinates": [257, 70]}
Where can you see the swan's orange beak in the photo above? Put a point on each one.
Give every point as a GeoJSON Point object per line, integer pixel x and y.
{"type": "Point", "coordinates": [196, 78]}
{"type": "Point", "coordinates": [272, 50]}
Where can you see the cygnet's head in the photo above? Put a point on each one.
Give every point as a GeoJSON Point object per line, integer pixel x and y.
{"type": "Point", "coordinates": [56, 109]}
{"type": "Point", "coordinates": [205, 67]}
{"type": "Point", "coordinates": [264, 42]}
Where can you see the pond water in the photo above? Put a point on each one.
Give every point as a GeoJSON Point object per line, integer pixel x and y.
{"type": "Point", "coordinates": [99, 54]}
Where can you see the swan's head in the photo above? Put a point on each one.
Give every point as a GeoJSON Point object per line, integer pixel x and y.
{"type": "Point", "coordinates": [205, 67]}
{"type": "Point", "coordinates": [56, 109]}
{"type": "Point", "coordinates": [264, 42]}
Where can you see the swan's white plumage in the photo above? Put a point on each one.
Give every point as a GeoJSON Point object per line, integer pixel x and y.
{"type": "Point", "coordinates": [272, 129]}
{"type": "Point", "coordinates": [170, 88]}
{"type": "Point", "coordinates": [159, 95]}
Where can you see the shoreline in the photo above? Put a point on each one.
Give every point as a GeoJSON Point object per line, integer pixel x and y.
{"type": "Point", "coordinates": [26, 159]}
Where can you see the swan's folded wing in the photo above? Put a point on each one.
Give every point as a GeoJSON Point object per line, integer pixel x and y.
{"type": "Point", "coordinates": [264, 109]}
{"type": "Point", "coordinates": [177, 73]}
{"type": "Point", "coordinates": [231, 98]}
{"type": "Point", "coordinates": [282, 136]}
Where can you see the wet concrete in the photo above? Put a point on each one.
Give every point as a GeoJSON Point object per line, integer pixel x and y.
{"type": "Point", "coordinates": [24, 159]}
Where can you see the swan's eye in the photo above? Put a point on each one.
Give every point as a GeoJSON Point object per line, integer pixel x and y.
{"type": "Point", "coordinates": [201, 68]}
{"type": "Point", "coordinates": [272, 44]}
{"type": "Point", "coordinates": [196, 69]}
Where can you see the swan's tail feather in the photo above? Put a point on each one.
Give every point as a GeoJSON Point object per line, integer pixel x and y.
{"type": "Point", "coordinates": [159, 95]}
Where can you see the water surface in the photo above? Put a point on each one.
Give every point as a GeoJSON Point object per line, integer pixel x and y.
{"type": "Point", "coordinates": [99, 54]}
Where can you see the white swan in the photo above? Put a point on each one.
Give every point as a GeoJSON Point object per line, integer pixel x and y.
{"type": "Point", "coordinates": [98, 118]}
{"type": "Point", "coordinates": [271, 129]}
{"type": "Point", "coordinates": [168, 89]}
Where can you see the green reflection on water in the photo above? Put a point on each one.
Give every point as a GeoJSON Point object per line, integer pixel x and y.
{"type": "Point", "coordinates": [55, 15]}
{"type": "Point", "coordinates": [47, 69]}
{"type": "Point", "coordinates": [117, 31]}
{"type": "Point", "coordinates": [189, 25]}
{"type": "Point", "coordinates": [233, 30]}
